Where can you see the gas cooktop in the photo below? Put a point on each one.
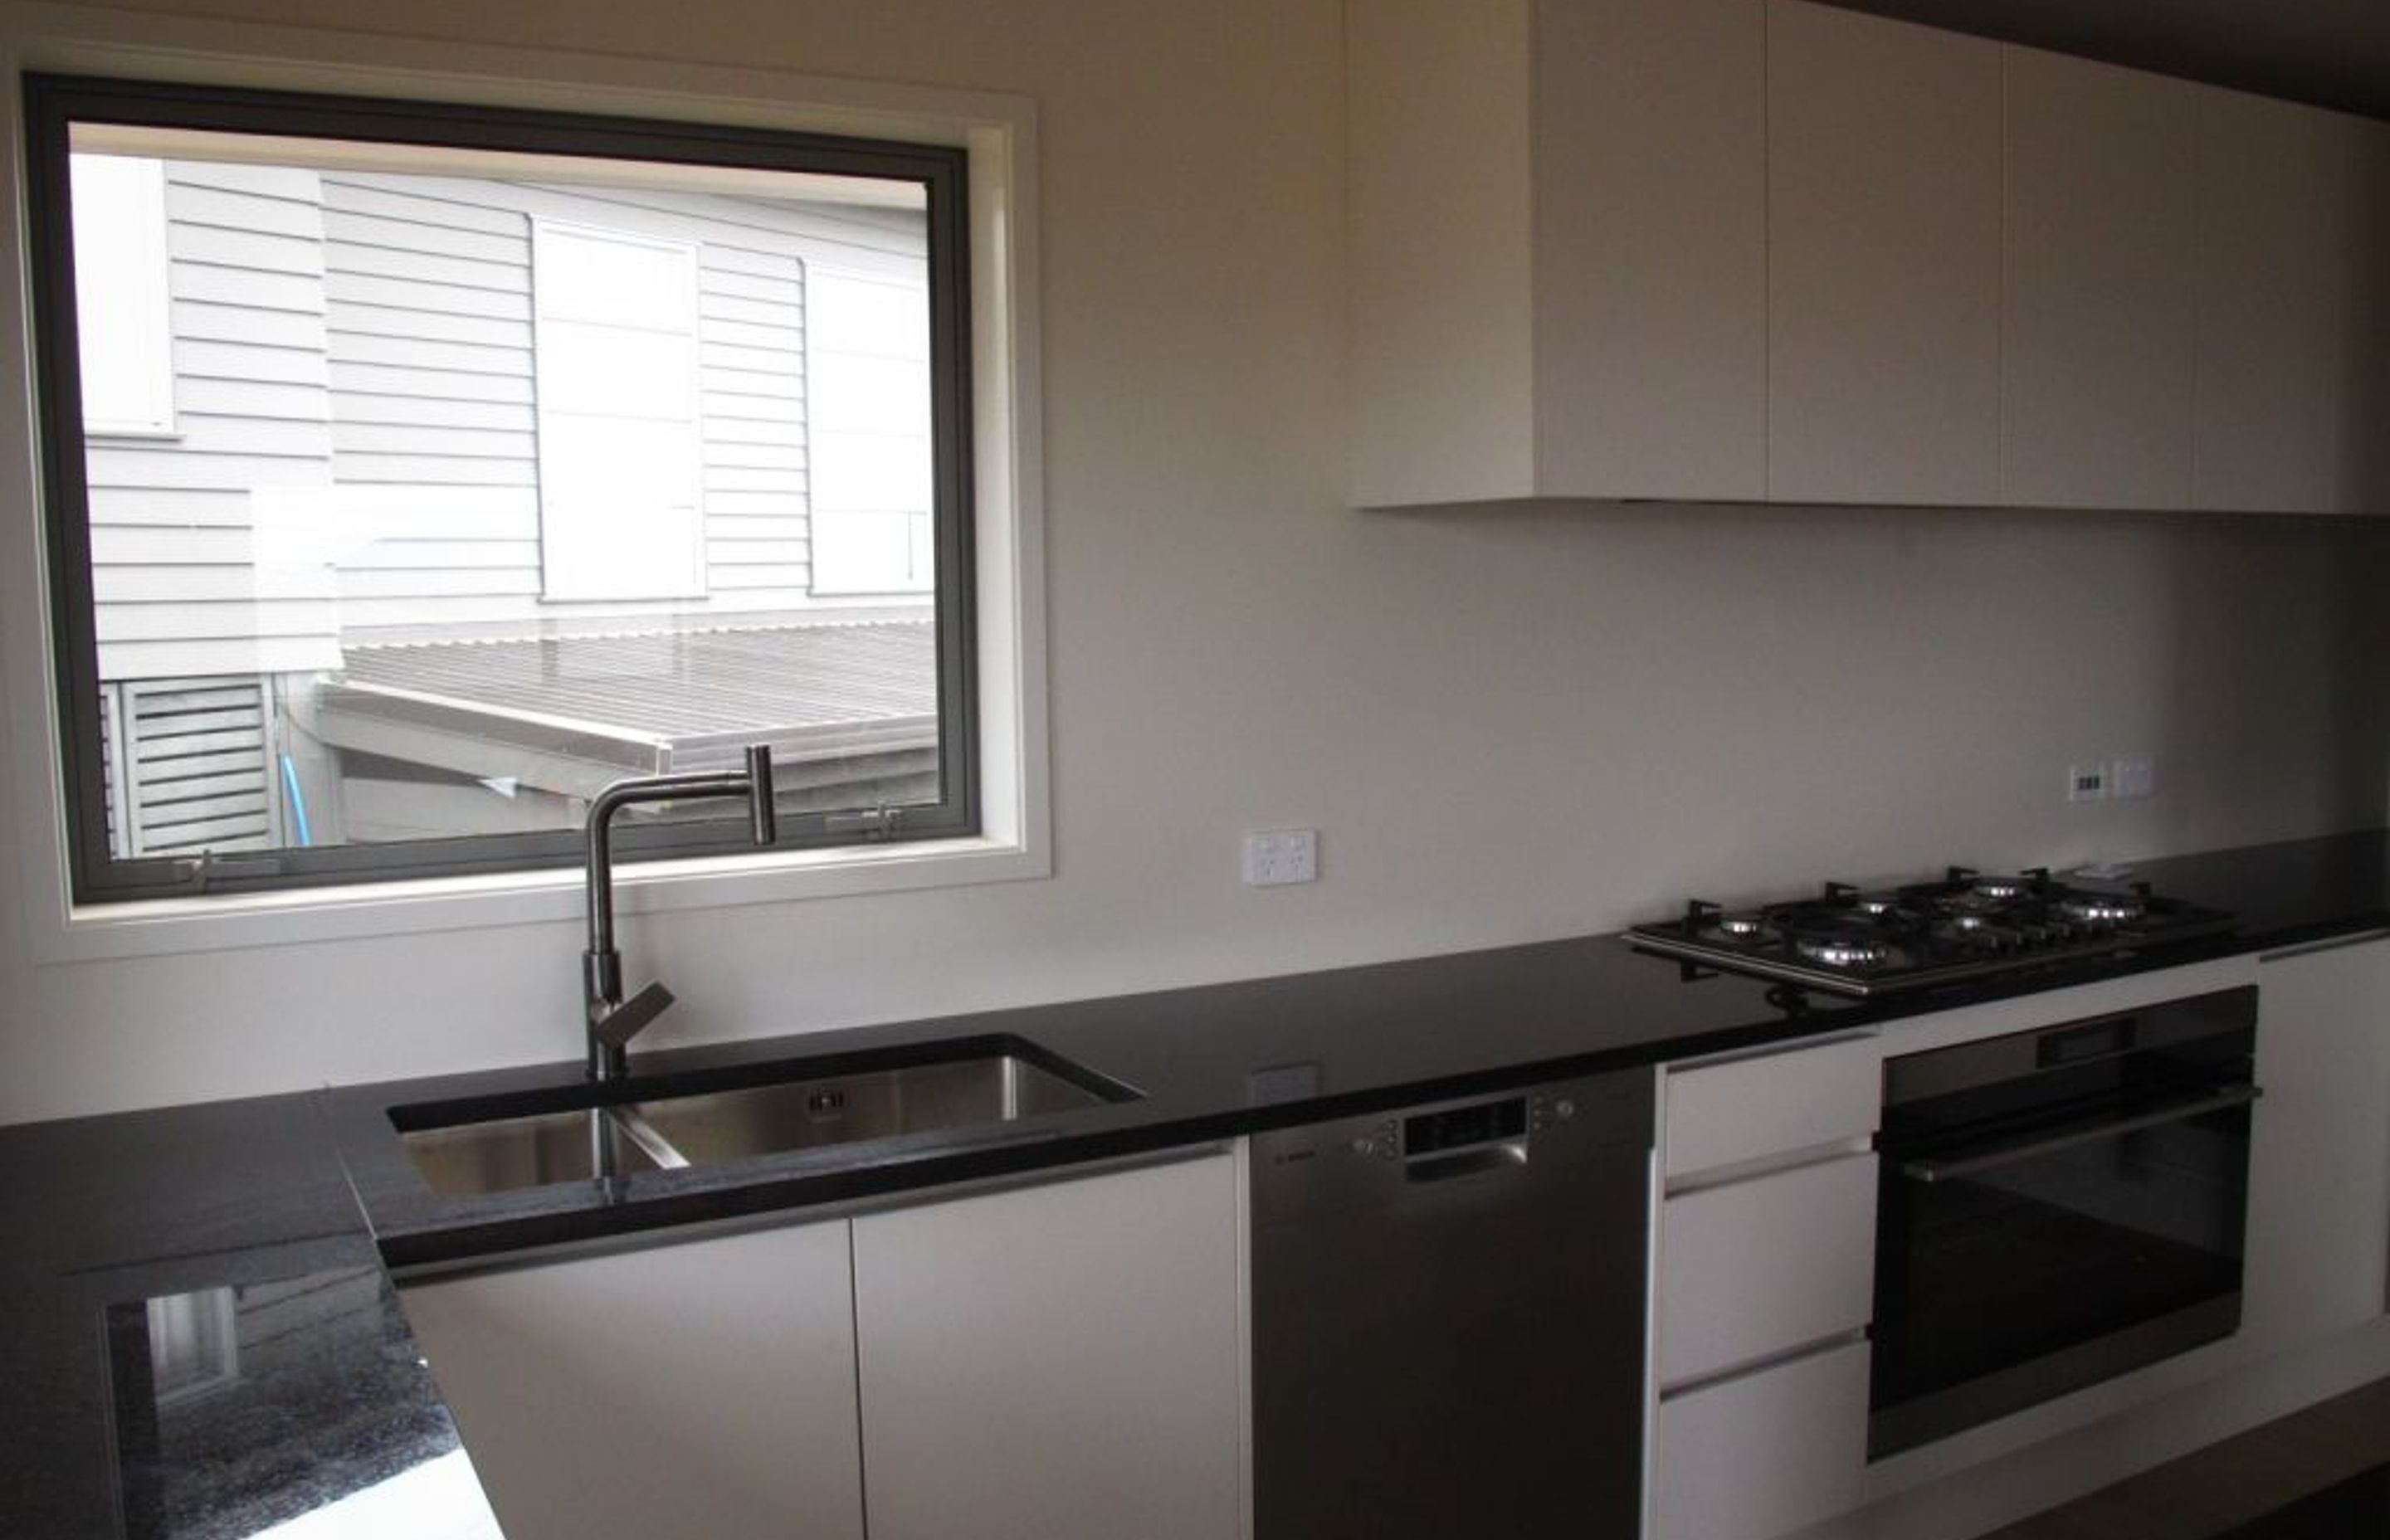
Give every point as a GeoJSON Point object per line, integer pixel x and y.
{"type": "Point", "coordinates": [1967, 926]}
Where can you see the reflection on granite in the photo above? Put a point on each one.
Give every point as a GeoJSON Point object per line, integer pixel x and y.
{"type": "Point", "coordinates": [286, 1408]}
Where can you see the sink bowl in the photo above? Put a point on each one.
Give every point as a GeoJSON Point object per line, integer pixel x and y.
{"type": "Point", "coordinates": [870, 1104]}
{"type": "Point", "coordinates": [467, 1160]}
{"type": "Point", "coordinates": [752, 1111]}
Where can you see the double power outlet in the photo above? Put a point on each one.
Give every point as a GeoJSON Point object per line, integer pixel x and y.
{"type": "Point", "coordinates": [2099, 780]}
{"type": "Point", "coordinates": [1277, 856]}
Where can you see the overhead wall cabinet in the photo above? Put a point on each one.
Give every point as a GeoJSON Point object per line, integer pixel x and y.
{"type": "Point", "coordinates": [1771, 251]}
{"type": "Point", "coordinates": [1884, 270]}
{"type": "Point", "coordinates": [1559, 249]}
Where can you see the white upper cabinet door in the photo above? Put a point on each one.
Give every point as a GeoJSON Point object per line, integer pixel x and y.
{"type": "Point", "coordinates": [2277, 284]}
{"type": "Point", "coordinates": [1438, 212]}
{"type": "Point", "coordinates": [2101, 285]}
{"type": "Point", "coordinates": [1651, 248]}
{"type": "Point", "coordinates": [2365, 444]}
{"type": "Point", "coordinates": [1558, 249]}
{"type": "Point", "coordinates": [1883, 246]}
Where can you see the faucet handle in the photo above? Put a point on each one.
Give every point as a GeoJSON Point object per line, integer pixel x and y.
{"type": "Point", "coordinates": [617, 1027]}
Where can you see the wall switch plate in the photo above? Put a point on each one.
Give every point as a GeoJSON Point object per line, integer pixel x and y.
{"type": "Point", "coordinates": [2087, 783]}
{"type": "Point", "coordinates": [2134, 777]}
{"type": "Point", "coordinates": [1280, 855]}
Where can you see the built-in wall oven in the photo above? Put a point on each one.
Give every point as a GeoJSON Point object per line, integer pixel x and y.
{"type": "Point", "coordinates": [2058, 1206]}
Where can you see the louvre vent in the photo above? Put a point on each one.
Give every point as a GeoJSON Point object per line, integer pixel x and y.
{"type": "Point", "coordinates": [190, 767]}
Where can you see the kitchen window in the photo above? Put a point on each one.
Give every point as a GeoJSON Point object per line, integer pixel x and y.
{"type": "Point", "coordinates": [489, 456]}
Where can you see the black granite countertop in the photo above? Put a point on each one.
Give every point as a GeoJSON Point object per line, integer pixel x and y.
{"type": "Point", "coordinates": [200, 1340]}
{"type": "Point", "coordinates": [290, 1194]}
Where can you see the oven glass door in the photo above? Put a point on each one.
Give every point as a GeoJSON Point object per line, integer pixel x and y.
{"type": "Point", "coordinates": [2039, 1237]}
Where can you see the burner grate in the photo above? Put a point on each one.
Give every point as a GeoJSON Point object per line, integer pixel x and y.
{"type": "Point", "coordinates": [1965, 925]}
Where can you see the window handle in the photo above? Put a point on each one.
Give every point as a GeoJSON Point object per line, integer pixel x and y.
{"type": "Point", "coordinates": [877, 822]}
{"type": "Point", "coordinates": [208, 869]}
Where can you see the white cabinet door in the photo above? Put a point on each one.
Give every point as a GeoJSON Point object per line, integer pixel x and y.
{"type": "Point", "coordinates": [705, 1388]}
{"type": "Point", "coordinates": [1651, 248]}
{"type": "Point", "coordinates": [1061, 1362]}
{"type": "Point", "coordinates": [2100, 279]}
{"type": "Point", "coordinates": [1558, 249]}
{"type": "Point", "coordinates": [1775, 1103]}
{"type": "Point", "coordinates": [2365, 466]}
{"type": "Point", "coordinates": [2277, 294]}
{"type": "Point", "coordinates": [1883, 261]}
{"type": "Point", "coordinates": [2319, 1155]}
{"type": "Point", "coordinates": [1750, 1270]}
{"type": "Point", "coordinates": [1763, 1455]}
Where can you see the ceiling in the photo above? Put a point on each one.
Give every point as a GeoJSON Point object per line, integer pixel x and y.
{"type": "Point", "coordinates": [2335, 52]}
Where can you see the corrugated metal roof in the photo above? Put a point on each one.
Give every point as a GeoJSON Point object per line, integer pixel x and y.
{"type": "Point", "coordinates": [681, 698]}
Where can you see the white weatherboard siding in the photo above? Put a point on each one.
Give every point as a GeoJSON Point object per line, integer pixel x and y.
{"type": "Point", "coordinates": [174, 545]}
{"type": "Point", "coordinates": [433, 314]}
{"type": "Point", "coordinates": [369, 338]}
{"type": "Point", "coordinates": [1507, 724]}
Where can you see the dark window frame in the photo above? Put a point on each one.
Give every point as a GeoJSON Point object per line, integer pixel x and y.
{"type": "Point", "coordinates": [54, 103]}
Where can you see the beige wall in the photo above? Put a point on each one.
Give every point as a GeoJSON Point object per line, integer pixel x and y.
{"type": "Point", "coordinates": [1507, 724]}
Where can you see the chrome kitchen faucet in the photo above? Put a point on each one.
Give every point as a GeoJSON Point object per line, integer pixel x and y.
{"type": "Point", "coordinates": [612, 1020]}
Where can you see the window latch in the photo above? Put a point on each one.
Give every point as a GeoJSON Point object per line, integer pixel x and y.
{"type": "Point", "coordinates": [877, 822]}
{"type": "Point", "coordinates": [207, 870]}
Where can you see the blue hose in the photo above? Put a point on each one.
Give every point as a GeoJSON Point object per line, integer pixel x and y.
{"type": "Point", "coordinates": [298, 801]}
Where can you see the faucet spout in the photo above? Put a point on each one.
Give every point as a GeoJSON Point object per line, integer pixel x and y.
{"type": "Point", "coordinates": [612, 1023]}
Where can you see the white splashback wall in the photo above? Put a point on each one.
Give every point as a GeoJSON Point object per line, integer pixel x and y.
{"type": "Point", "coordinates": [1507, 723]}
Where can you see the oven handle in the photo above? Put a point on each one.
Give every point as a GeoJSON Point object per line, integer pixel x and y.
{"type": "Point", "coordinates": [1938, 1171]}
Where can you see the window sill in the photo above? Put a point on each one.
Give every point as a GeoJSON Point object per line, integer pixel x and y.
{"type": "Point", "coordinates": [164, 927]}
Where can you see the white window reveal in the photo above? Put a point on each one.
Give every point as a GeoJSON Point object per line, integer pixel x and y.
{"type": "Point", "coordinates": [868, 416]}
{"type": "Point", "coordinates": [617, 361]}
{"type": "Point", "coordinates": [123, 325]}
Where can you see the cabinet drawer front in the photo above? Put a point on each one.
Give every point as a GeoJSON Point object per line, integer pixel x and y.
{"type": "Point", "coordinates": [1747, 1109]}
{"type": "Point", "coordinates": [1764, 1454]}
{"type": "Point", "coordinates": [1757, 1268]}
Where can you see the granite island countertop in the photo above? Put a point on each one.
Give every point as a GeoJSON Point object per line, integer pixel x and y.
{"type": "Point", "coordinates": [302, 1203]}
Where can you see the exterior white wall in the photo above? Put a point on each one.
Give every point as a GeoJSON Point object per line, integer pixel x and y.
{"type": "Point", "coordinates": [190, 569]}
{"type": "Point", "coordinates": [1507, 724]}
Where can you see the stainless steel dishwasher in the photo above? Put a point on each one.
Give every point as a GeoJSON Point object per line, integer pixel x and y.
{"type": "Point", "coordinates": [1448, 1318]}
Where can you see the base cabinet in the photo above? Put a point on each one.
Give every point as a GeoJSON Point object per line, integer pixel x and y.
{"type": "Point", "coordinates": [1063, 1361]}
{"type": "Point", "coordinates": [2319, 1146]}
{"type": "Point", "coordinates": [1057, 1363]}
{"type": "Point", "coordinates": [699, 1388]}
{"type": "Point", "coordinates": [1764, 1454]}
{"type": "Point", "coordinates": [1763, 1283]}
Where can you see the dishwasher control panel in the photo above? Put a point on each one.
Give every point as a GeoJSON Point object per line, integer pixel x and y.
{"type": "Point", "coordinates": [1502, 1137]}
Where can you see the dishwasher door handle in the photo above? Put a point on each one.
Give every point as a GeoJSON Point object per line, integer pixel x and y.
{"type": "Point", "coordinates": [1968, 1165]}
{"type": "Point", "coordinates": [1467, 1163]}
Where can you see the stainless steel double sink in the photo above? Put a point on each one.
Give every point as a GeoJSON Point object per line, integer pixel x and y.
{"type": "Point", "coordinates": [800, 1104]}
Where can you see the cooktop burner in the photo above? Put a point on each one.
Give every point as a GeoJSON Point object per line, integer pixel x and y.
{"type": "Point", "coordinates": [1968, 925]}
